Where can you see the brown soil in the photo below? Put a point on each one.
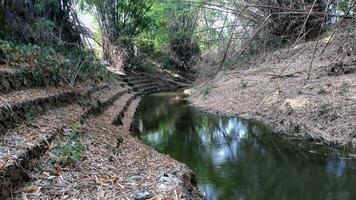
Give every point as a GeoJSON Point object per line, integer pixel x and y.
{"type": "Point", "coordinates": [272, 88]}
{"type": "Point", "coordinates": [113, 164]}
{"type": "Point", "coordinates": [108, 171]}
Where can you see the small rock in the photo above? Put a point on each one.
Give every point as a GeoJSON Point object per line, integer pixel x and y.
{"type": "Point", "coordinates": [142, 195]}
{"type": "Point", "coordinates": [168, 179]}
{"type": "Point", "coordinates": [165, 179]}
{"type": "Point", "coordinates": [187, 92]}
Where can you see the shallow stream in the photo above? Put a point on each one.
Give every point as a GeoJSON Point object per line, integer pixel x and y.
{"type": "Point", "coordinates": [241, 159]}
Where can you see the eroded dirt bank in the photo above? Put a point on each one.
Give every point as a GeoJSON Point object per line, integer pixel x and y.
{"type": "Point", "coordinates": [272, 88]}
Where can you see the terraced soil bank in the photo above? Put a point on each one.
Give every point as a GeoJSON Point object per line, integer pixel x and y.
{"type": "Point", "coordinates": [75, 143]}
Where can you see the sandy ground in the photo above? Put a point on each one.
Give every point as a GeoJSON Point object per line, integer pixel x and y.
{"type": "Point", "coordinates": [272, 88]}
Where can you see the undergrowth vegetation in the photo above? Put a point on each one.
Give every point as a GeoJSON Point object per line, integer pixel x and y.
{"type": "Point", "coordinates": [54, 65]}
{"type": "Point", "coordinates": [70, 151]}
{"type": "Point", "coordinates": [45, 40]}
{"type": "Point", "coordinates": [204, 36]}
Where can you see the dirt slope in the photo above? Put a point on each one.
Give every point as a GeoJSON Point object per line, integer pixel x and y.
{"type": "Point", "coordinates": [272, 88]}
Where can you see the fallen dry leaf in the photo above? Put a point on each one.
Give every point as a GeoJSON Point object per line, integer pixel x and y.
{"type": "Point", "coordinates": [31, 189]}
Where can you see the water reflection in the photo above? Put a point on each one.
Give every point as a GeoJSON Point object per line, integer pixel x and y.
{"type": "Point", "coordinates": [236, 159]}
{"type": "Point", "coordinates": [336, 167]}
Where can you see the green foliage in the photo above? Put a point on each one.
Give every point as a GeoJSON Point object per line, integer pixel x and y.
{"type": "Point", "coordinates": [243, 83]}
{"type": "Point", "coordinates": [323, 111]}
{"type": "Point", "coordinates": [75, 125]}
{"type": "Point", "coordinates": [70, 151]}
{"type": "Point", "coordinates": [42, 7]}
{"type": "Point", "coordinates": [55, 64]}
{"type": "Point", "coordinates": [156, 31]}
{"type": "Point", "coordinates": [163, 59]}
{"type": "Point", "coordinates": [345, 92]}
{"type": "Point", "coordinates": [42, 22]}
{"type": "Point", "coordinates": [145, 46]}
{"type": "Point", "coordinates": [133, 17]}
{"type": "Point", "coordinates": [150, 66]}
{"type": "Point", "coordinates": [207, 89]}
{"type": "Point", "coordinates": [30, 115]}
{"type": "Point", "coordinates": [152, 26]}
{"type": "Point", "coordinates": [119, 141]}
{"type": "Point", "coordinates": [344, 5]}
{"type": "Point", "coordinates": [130, 17]}
{"type": "Point", "coordinates": [170, 33]}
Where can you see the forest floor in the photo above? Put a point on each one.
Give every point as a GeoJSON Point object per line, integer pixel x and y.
{"type": "Point", "coordinates": [61, 142]}
{"type": "Point", "coordinates": [274, 88]}
{"type": "Point", "coordinates": [114, 165]}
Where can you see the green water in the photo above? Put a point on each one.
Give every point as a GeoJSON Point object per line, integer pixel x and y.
{"type": "Point", "coordinates": [239, 159]}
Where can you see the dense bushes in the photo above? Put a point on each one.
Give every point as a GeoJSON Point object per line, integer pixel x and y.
{"type": "Point", "coordinates": [41, 38]}
{"type": "Point", "coordinates": [46, 65]}
{"type": "Point", "coordinates": [183, 52]}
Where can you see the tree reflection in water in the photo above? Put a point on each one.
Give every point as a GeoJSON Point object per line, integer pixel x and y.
{"type": "Point", "coordinates": [240, 159]}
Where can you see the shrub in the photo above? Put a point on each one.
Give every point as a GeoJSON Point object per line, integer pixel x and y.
{"type": "Point", "coordinates": [70, 151]}
{"type": "Point", "coordinates": [56, 65]}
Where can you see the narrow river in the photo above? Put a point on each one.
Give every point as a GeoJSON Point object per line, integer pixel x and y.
{"type": "Point", "coordinates": [241, 159]}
